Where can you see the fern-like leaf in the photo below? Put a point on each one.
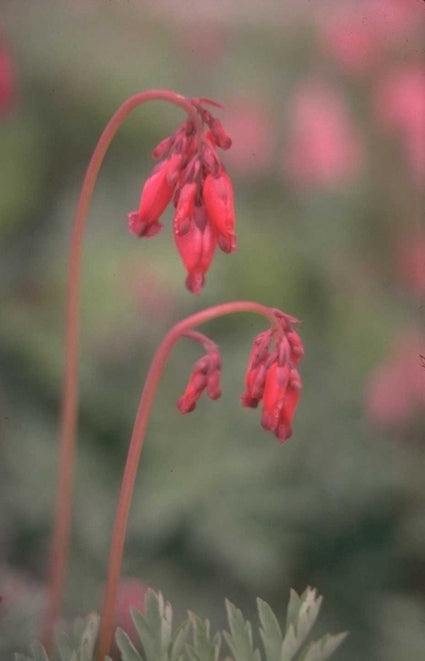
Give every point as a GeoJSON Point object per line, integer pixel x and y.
{"type": "Point", "coordinates": [302, 614]}
{"type": "Point", "coordinates": [65, 645]}
{"type": "Point", "coordinates": [159, 644]}
{"type": "Point", "coordinates": [154, 627]}
{"type": "Point", "coordinates": [87, 645]}
{"type": "Point", "coordinates": [204, 648]}
{"type": "Point", "coordinates": [270, 631]}
{"type": "Point", "coordinates": [320, 650]}
{"type": "Point", "coordinates": [178, 642]}
{"type": "Point", "coordinates": [126, 647]}
{"type": "Point", "coordinates": [239, 639]}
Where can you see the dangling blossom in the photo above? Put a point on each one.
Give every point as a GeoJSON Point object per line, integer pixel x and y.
{"type": "Point", "coordinates": [218, 202]}
{"type": "Point", "coordinates": [191, 175]}
{"type": "Point", "coordinates": [272, 376]}
{"type": "Point", "coordinates": [196, 245]}
{"type": "Point", "coordinates": [205, 377]}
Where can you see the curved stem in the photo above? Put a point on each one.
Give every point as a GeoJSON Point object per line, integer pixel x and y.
{"type": "Point", "coordinates": [206, 343]}
{"type": "Point", "coordinates": [135, 449]}
{"type": "Point", "coordinates": [62, 524]}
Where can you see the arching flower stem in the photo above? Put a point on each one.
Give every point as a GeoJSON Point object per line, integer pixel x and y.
{"type": "Point", "coordinates": [183, 328]}
{"type": "Point", "coordinates": [206, 343]}
{"type": "Point", "coordinates": [62, 522]}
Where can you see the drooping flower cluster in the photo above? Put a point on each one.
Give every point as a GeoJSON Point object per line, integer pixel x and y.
{"type": "Point", "coordinates": [191, 175]}
{"type": "Point", "coordinates": [272, 376]}
{"type": "Point", "coordinates": [205, 376]}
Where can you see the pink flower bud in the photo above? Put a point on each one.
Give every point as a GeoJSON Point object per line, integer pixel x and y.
{"type": "Point", "coordinates": [162, 149]}
{"type": "Point", "coordinates": [256, 371]}
{"type": "Point", "coordinates": [205, 376]}
{"type": "Point", "coordinates": [156, 195]}
{"type": "Point", "coordinates": [213, 385]}
{"type": "Point", "coordinates": [221, 138]}
{"type": "Point", "coordinates": [273, 378]}
{"type": "Point", "coordinates": [185, 206]}
{"type": "Point", "coordinates": [196, 248]}
{"type": "Point", "coordinates": [279, 402]}
{"type": "Point", "coordinates": [217, 194]}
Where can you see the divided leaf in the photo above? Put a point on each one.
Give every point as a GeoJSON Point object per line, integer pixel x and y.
{"type": "Point", "coordinates": [203, 648]}
{"type": "Point", "coordinates": [270, 631]}
{"type": "Point", "coordinates": [38, 652]}
{"type": "Point", "coordinates": [154, 628]}
{"type": "Point", "coordinates": [302, 614]}
{"type": "Point", "coordinates": [126, 647]}
{"type": "Point", "coordinates": [239, 639]}
{"type": "Point", "coordinates": [293, 608]}
{"type": "Point", "coordinates": [65, 646]}
{"type": "Point", "coordinates": [179, 641]}
{"type": "Point", "coordinates": [321, 649]}
{"type": "Point", "coordinates": [87, 645]}
{"type": "Point", "coordinates": [155, 632]}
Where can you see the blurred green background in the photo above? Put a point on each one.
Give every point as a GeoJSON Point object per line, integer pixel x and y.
{"type": "Point", "coordinates": [327, 170]}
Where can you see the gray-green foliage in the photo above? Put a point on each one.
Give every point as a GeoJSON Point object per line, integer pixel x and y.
{"type": "Point", "coordinates": [79, 646]}
{"type": "Point", "coordinates": [192, 641]}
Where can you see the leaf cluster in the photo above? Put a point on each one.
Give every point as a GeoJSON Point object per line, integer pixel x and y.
{"type": "Point", "coordinates": [192, 640]}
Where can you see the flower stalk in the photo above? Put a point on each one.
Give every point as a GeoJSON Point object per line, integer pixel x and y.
{"type": "Point", "coordinates": [136, 445]}
{"type": "Point", "coordinates": [69, 414]}
{"type": "Point", "coordinates": [190, 174]}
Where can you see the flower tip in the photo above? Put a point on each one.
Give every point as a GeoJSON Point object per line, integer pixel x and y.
{"type": "Point", "coordinates": [226, 143]}
{"type": "Point", "coordinates": [281, 430]}
{"type": "Point", "coordinates": [227, 243]}
{"type": "Point", "coordinates": [134, 222]}
{"type": "Point", "coordinates": [248, 401]}
{"type": "Point", "coordinates": [214, 394]}
{"type": "Point", "coordinates": [185, 406]}
{"type": "Point", "coordinates": [195, 282]}
{"type": "Point", "coordinates": [213, 385]}
{"type": "Point", "coordinates": [283, 433]}
{"type": "Point", "coordinates": [140, 227]}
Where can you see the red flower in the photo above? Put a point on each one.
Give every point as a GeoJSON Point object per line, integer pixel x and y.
{"type": "Point", "coordinates": [255, 377]}
{"type": "Point", "coordinates": [185, 207]}
{"type": "Point", "coordinates": [194, 176]}
{"type": "Point", "coordinates": [156, 195]}
{"type": "Point", "coordinates": [205, 376]}
{"type": "Point", "coordinates": [272, 376]}
{"type": "Point", "coordinates": [281, 394]}
{"type": "Point", "coordinates": [217, 194]}
{"type": "Point", "coordinates": [196, 247]}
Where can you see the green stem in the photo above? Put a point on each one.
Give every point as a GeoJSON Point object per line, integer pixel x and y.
{"type": "Point", "coordinates": [62, 523]}
{"type": "Point", "coordinates": [136, 445]}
